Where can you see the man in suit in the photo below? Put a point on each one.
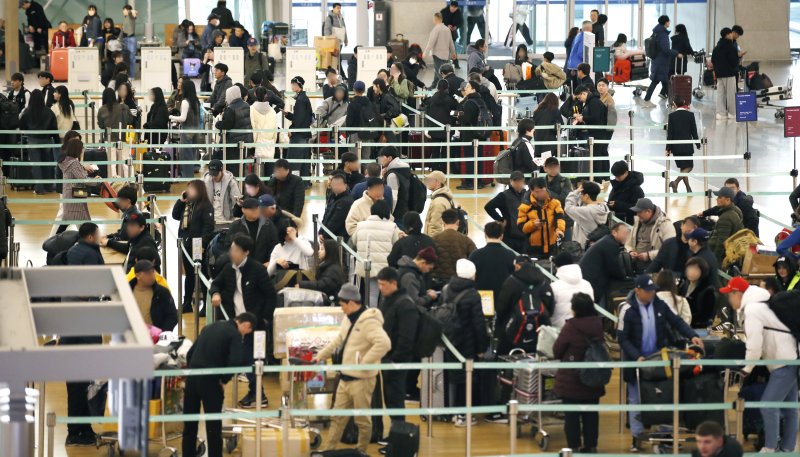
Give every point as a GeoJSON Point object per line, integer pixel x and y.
{"type": "Point", "coordinates": [244, 286]}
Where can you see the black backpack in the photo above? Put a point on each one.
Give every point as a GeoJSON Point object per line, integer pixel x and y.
{"type": "Point", "coordinates": [595, 352]}
{"type": "Point", "coordinates": [9, 113]}
{"type": "Point", "coordinates": [417, 194]}
{"type": "Point", "coordinates": [484, 120]}
{"type": "Point", "coordinates": [599, 232]}
{"type": "Point", "coordinates": [429, 333]}
{"type": "Point", "coordinates": [522, 326]}
{"type": "Point", "coordinates": [651, 46]}
{"type": "Point", "coordinates": [371, 119]}
{"type": "Point", "coordinates": [463, 225]}
{"type": "Point", "coordinates": [784, 305]}
{"type": "Point", "coordinates": [447, 314]}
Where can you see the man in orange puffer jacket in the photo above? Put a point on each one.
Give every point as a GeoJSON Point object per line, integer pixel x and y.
{"type": "Point", "coordinates": [542, 219]}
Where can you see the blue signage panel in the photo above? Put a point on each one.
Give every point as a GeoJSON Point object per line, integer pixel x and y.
{"type": "Point", "coordinates": [746, 107]}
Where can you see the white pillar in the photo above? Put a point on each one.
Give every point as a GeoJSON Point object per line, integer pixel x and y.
{"type": "Point", "coordinates": [362, 23]}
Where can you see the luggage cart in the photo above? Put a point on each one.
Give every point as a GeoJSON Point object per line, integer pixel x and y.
{"type": "Point", "coordinates": [699, 58]}
{"type": "Point", "coordinates": [171, 395]}
{"type": "Point", "coordinates": [765, 97]}
{"type": "Point", "coordinates": [662, 438]}
{"type": "Point", "coordinates": [531, 386]}
{"type": "Point", "coordinates": [639, 72]}
{"type": "Point", "coordinates": [232, 433]}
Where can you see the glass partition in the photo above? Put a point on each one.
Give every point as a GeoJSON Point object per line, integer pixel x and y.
{"type": "Point", "coordinates": [794, 24]}
{"type": "Point", "coordinates": [550, 25]}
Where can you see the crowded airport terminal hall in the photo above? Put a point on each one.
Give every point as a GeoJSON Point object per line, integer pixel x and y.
{"type": "Point", "coordinates": [411, 228]}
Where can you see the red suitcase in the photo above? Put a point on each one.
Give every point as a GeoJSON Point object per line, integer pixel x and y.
{"type": "Point", "coordinates": [59, 64]}
{"type": "Point", "coordinates": [680, 85]}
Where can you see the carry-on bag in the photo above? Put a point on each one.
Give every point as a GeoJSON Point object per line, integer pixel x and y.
{"type": "Point", "coordinates": [92, 155]}
{"type": "Point", "coordinates": [59, 64]}
{"type": "Point", "coordinates": [20, 172]}
{"type": "Point", "coordinates": [155, 168]}
{"type": "Point", "coordinates": [403, 440]}
{"type": "Point", "coordinates": [680, 85]}
{"type": "Point", "coordinates": [656, 393]}
{"type": "Point", "coordinates": [399, 46]}
{"type": "Point", "coordinates": [704, 388]}
{"type": "Point", "coordinates": [578, 167]}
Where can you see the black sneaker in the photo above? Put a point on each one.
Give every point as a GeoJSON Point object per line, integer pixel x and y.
{"type": "Point", "coordinates": [496, 418]}
{"type": "Point", "coordinates": [187, 308]}
{"type": "Point", "coordinates": [249, 401]}
{"type": "Point", "coordinates": [84, 440]}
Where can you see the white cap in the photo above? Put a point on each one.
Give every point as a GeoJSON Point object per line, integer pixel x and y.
{"type": "Point", "coordinates": [465, 269]}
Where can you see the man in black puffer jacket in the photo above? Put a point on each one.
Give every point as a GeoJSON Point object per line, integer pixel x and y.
{"type": "Point", "coordinates": [337, 206]}
{"type": "Point", "coordinates": [503, 208]}
{"type": "Point", "coordinates": [260, 230]}
{"type": "Point", "coordinates": [236, 116]}
{"type": "Point", "coordinates": [626, 189]}
{"type": "Point", "coordinates": [87, 250]}
{"type": "Point", "coordinates": [472, 337]}
{"type": "Point", "coordinates": [601, 263]}
{"type": "Point", "coordinates": [412, 275]}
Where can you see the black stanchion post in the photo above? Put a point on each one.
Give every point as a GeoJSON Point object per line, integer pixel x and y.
{"type": "Point", "coordinates": [340, 241]}
{"type": "Point", "coordinates": [315, 242]}
{"type": "Point", "coordinates": [475, 171]}
{"type": "Point", "coordinates": [630, 120]}
{"type": "Point", "coordinates": [792, 173]}
{"type": "Point", "coordinates": [180, 284]}
{"type": "Point", "coordinates": [367, 268]}
{"type": "Point", "coordinates": [162, 221]}
{"type": "Point", "coordinates": [447, 147]}
{"type": "Point", "coordinates": [12, 261]}
{"type": "Point", "coordinates": [85, 108]}
{"type": "Point", "coordinates": [94, 122]}
{"type": "Point", "coordinates": [590, 145]}
{"type": "Point", "coordinates": [666, 185]}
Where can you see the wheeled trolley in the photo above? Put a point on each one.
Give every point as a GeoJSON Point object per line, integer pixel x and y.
{"type": "Point", "coordinates": [530, 385]}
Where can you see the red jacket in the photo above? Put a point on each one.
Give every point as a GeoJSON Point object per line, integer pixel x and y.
{"type": "Point", "coordinates": [571, 346]}
{"type": "Point", "coordinates": [63, 39]}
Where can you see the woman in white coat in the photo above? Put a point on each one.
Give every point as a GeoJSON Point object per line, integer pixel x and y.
{"type": "Point", "coordinates": [570, 282]}
{"type": "Point", "coordinates": [373, 240]}
{"type": "Point", "coordinates": [264, 122]}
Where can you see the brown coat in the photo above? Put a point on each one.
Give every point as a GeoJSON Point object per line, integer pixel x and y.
{"type": "Point", "coordinates": [451, 246]}
{"type": "Point", "coordinates": [571, 346]}
{"type": "Point", "coordinates": [73, 169]}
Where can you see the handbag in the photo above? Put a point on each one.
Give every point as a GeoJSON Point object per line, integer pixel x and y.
{"type": "Point", "coordinates": [547, 338]}
{"type": "Point", "coordinates": [76, 125]}
{"type": "Point", "coordinates": [80, 190]}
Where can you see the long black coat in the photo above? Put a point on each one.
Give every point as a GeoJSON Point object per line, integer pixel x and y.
{"type": "Point", "coordinates": [336, 209]}
{"type": "Point", "coordinates": [400, 318]}
{"type": "Point", "coordinates": [601, 264]}
{"type": "Point", "coordinates": [265, 240]}
{"type": "Point", "coordinates": [258, 292]}
{"type": "Point", "coordinates": [439, 107]}
{"type": "Point", "coordinates": [682, 126]}
{"type": "Point", "coordinates": [201, 223]}
{"type": "Point", "coordinates": [289, 194]}
{"type": "Point", "coordinates": [680, 45]}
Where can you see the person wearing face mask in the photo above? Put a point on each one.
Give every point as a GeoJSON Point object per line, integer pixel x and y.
{"type": "Point", "coordinates": [542, 219]}
{"type": "Point", "coordinates": [413, 63]}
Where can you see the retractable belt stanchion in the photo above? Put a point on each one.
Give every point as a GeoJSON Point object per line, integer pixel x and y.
{"type": "Point", "coordinates": [162, 221]}
{"type": "Point", "coordinates": [51, 425]}
{"type": "Point", "coordinates": [40, 420]}
{"type": "Point", "coordinates": [259, 164]}
{"type": "Point", "coordinates": [630, 119]}
{"type": "Point", "coordinates": [747, 157]}
{"type": "Point", "coordinates": [590, 143]}
{"type": "Point", "coordinates": [558, 140]}
{"type": "Point", "coordinates": [676, 393]}
{"type": "Point", "coordinates": [259, 368]}
{"type": "Point", "coordinates": [429, 395]}
{"type": "Point", "coordinates": [513, 408]}
{"type": "Point", "coordinates": [86, 107]}
{"type": "Point", "coordinates": [475, 172]}
{"type": "Point", "coordinates": [94, 122]}
{"type": "Point", "coordinates": [367, 268]}
{"type": "Point", "coordinates": [196, 308]}
{"type": "Point", "coordinates": [468, 366]}
{"type": "Point", "coordinates": [180, 285]}
{"type": "Point", "coordinates": [666, 185]}
{"type": "Point", "coordinates": [420, 124]}
{"type": "Point", "coordinates": [12, 257]}
{"type": "Point", "coordinates": [241, 164]}
{"type": "Point", "coordinates": [359, 148]}
{"type": "Point", "coordinates": [704, 145]}
{"type": "Point", "coordinates": [335, 139]}
{"type": "Point", "coordinates": [447, 147]}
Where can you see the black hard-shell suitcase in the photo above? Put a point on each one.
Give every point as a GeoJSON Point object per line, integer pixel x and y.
{"type": "Point", "coordinates": [656, 393]}
{"type": "Point", "coordinates": [91, 155]}
{"type": "Point", "coordinates": [703, 388]}
{"type": "Point", "coordinates": [403, 440]}
{"type": "Point", "coordinates": [579, 167]}
{"type": "Point", "coordinates": [21, 172]}
{"type": "Point", "coordinates": [153, 168]}
{"type": "Point", "coordinates": [399, 46]}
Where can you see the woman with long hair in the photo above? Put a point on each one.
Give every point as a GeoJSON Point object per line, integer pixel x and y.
{"type": "Point", "coordinates": [545, 117]}
{"type": "Point", "coordinates": [195, 214]}
{"type": "Point", "coordinates": [72, 168]}
{"type": "Point", "coordinates": [37, 117]}
{"type": "Point", "coordinates": [621, 50]}
{"type": "Point", "coordinates": [157, 116]}
{"type": "Point", "coordinates": [681, 44]}
{"type": "Point", "coordinates": [263, 118]}
{"type": "Point", "coordinates": [573, 32]}
{"type": "Point", "coordinates": [113, 115]}
{"type": "Point", "coordinates": [126, 97]}
{"type": "Point", "coordinates": [668, 292]}
{"type": "Point", "coordinates": [109, 32]}
{"type": "Point", "coordinates": [254, 187]}
{"type": "Point", "coordinates": [69, 135]}
{"type": "Point", "coordinates": [293, 254]}
{"type": "Point", "coordinates": [190, 118]}
{"type": "Point", "coordinates": [64, 109]}
{"type": "Point", "coordinates": [175, 98]}
{"type": "Point", "coordinates": [398, 84]}
{"type": "Point", "coordinates": [329, 277]}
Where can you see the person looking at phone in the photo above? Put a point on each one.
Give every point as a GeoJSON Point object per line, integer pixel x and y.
{"type": "Point", "coordinates": [222, 189]}
{"type": "Point", "coordinates": [293, 253]}
{"type": "Point", "coordinates": [542, 219]}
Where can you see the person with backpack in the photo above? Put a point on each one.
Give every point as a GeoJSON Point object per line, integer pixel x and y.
{"type": "Point", "coordinates": [441, 200]}
{"type": "Point", "coordinates": [541, 218]}
{"type": "Point", "coordinates": [586, 212]}
{"type": "Point", "coordinates": [661, 55]}
{"type": "Point", "coordinates": [472, 113]}
{"type": "Point", "coordinates": [581, 428]}
{"type": "Point", "coordinates": [647, 325]}
{"type": "Point", "coordinates": [400, 318]}
{"type": "Point", "coordinates": [468, 330]}
{"type": "Point", "coordinates": [397, 175]}
{"type": "Point", "coordinates": [522, 151]}
{"type": "Point", "coordinates": [770, 338]}
{"type": "Point", "coordinates": [412, 271]}
{"type": "Point", "coordinates": [451, 246]}
{"type": "Point", "coordinates": [361, 113]}
{"type": "Point", "coordinates": [413, 240]}
{"type": "Point", "coordinates": [601, 263]}
{"type": "Point", "coordinates": [255, 61]}
{"type": "Point", "coordinates": [386, 107]}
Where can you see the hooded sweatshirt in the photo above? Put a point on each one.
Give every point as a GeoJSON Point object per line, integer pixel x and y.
{"type": "Point", "coordinates": [570, 282]}
{"type": "Point", "coordinates": [476, 59]}
{"type": "Point", "coordinates": [794, 276]}
{"type": "Point", "coordinates": [767, 337]}
{"type": "Point", "coordinates": [586, 217]}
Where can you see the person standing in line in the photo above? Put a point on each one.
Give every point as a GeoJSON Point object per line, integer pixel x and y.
{"type": "Point", "coordinates": [580, 428]}
{"type": "Point", "coordinates": [301, 118]}
{"type": "Point", "coordinates": [38, 24]}
{"type": "Point", "coordinates": [129, 37]}
{"type": "Point", "coordinates": [659, 65]}
{"type": "Point", "coordinates": [470, 109]}
{"type": "Point", "coordinates": [189, 119]}
{"type": "Point", "coordinates": [587, 213]}
{"type": "Point", "coordinates": [725, 58]}
{"type": "Point", "coordinates": [64, 109]}
{"type": "Point", "coordinates": [681, 44]}
{"type": "Point", "coordinates": [542, 219]}
{"type": "Point", "coordinates": [72, 168]}
{"type": "Point", "coordinates": [195, 214]}
{"type": "Point", "coordinates": [768, 338]}
{"type": "Point", "coordinates": [219, 345]}
{"type": "Point", "coordinates": [682, 126]}
{"type": "Point", "coordinates": [37, 117]}
{"type": "Point", "coordinates": [112, 115]}
{"type": "Point", "coordinates": [367, 345]}
{"type": "Point", "coordinates": [236, 116]}
{"type": "Point", "coordinates": [503, 209]}
{"type": "Point", "coordinates": [440, 46]}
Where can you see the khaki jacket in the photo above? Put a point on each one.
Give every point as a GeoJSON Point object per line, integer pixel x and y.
{"type": "Point", "coordinates": [359, 211]}
{"type": "Point", "coordinates": [662, 230]}
{"type": "Point", "coordinates": [368, 343]}
{"type": "Point", "coordinates": [433, 220]}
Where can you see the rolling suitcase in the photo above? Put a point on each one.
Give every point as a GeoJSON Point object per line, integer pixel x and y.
{"type": "Point", "coordinates": [703, 388]}
{"type": "Point", "coordinates": [59, 64]}
{"type": "Point", "coordinates": [656, 393]}
{"type": "Point", "coordinates": [399, 46]}
{"type": "Point", "coordinates": [191, 67]}
{"type": "Point", "coordinates": [680, 85]}
{"type": "Point", "coordinates": [403, 440]}
{"type": "Point", "coordinates": [20, 172]}
{"type": "Point", "coordinates": [153, 168]}
{"type": "Point", "coordinates": [576, 167]}
{"type": "Point", "coordinates": [92, 155]}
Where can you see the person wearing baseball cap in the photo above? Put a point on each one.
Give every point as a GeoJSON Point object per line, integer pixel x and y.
{"type": "Point", "coordinates": [359, 103]}
{"type": "Point", "coordinates": [441, 200]}
{"type": "Point", "coordinates": [260, 230]}
{"type": "Point", "coordinates": [729, 222]}
{"type": "Point", "coordinates": [255, 60]}
{"type": "Point", "coordinates": [503, 208]}
{"type": "Point", "coordinates": [768, 338]}
{"type": "Point", "coordinates": [646, 326]}
{"type": "Point", "coordinates": [222, 190]}
{"type": "Point", "coordinates": [651, 227]}
{"type": "Point", "coordinates": [697, 241]}
{"type": "Point", "coordinates": [301, 118]}
{"type": "Point", "coordinates": [368, 344]}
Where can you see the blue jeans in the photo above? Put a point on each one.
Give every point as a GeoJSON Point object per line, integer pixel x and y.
{"type": "Point", "coordinates": [130, 54]}
{"type": "Point", "coordinates": [437, 65]}
{"type": "Point", "coordinates": [634, 417]}
{"type": "Point", "coordinates": [782, 386]}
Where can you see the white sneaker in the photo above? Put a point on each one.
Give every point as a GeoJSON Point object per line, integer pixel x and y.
{"type": "Point", "coordinates": [721, 117]}
{"type": "Point", "coordinates": [648, 104]}
{"type": "Point", "coordinates": [242, 378]}
{"type": "Point", "coordinates": [461, 420]}
{"type": "Point", "coordinates": [766, 450]}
